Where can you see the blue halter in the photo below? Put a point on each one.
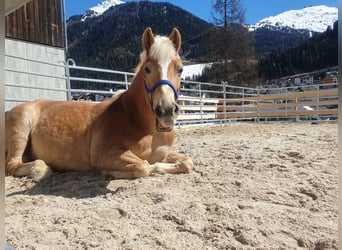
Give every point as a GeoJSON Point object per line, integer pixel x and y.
{"type": "Point", "coordinates": [161, 82]}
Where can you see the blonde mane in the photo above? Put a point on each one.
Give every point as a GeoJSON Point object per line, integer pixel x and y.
{"type": "Point", "coordinates": [162, 49]}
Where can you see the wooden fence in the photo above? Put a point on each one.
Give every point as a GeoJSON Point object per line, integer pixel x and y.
{"type": "Point", "coordinates": [313, 102]}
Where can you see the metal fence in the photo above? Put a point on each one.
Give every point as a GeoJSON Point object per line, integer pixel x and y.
{"type": "Point", "coordinates": [94, 84]}
{"type": "Point", "coordinates": [203, 102]}
{"type": "Point", "coordinates": [28, 79]}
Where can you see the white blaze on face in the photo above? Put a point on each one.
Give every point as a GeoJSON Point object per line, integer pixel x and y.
{"type": "Point", "coordinates": [163, 51]}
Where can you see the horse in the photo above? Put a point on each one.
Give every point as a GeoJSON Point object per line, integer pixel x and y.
{"type": "Point", "coordinates": [127, 136]}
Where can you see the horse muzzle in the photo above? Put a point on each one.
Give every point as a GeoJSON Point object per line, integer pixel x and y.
{"type": "Point", "coordinates": [165, 109]}
{"type": "Point", "coordinates": [166, 117]}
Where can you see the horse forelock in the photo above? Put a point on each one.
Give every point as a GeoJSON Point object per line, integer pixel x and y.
{"type": "Point", "coordinates": [162, 50]}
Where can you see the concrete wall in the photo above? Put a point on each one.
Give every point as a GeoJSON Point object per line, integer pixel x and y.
{"type": "Point", "coordinates": [43, 54]}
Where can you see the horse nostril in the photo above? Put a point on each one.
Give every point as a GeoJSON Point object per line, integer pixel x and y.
{"type": "Point", "coordinates": [159, 111]}
{"type": "Point", "coordinates": [169, 111]}
{"type": "Point", "coordinates": [176, 109]}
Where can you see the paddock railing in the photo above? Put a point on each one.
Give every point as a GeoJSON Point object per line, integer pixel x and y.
{"type": "Point", "coordinates": [309, 102]}
{"type": "Point", "coordinates": [199, 102]}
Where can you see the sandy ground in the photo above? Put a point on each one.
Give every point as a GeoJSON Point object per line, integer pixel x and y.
{"type": "Point", "coordinates": [255, 186]}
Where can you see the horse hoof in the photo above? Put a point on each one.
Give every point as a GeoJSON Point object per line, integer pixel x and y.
{"type": "Point", "coordinates": [186, 166]}
{"type": "Point", "coordinates": [39, 170]}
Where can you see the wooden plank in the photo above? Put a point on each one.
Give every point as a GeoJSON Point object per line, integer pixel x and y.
{"type": "Point", "coordinates": [299, 113]}
{"type": "Point", "coordinates": [298, 104]}
{"type": "Point", "coordinates": [276, 105]}
{"type": "Point", "coordinates": [196, 116]}
{"type": "Point", "coordinates": [237, 108]}
{"type": "Point", "coordinates": [238, 100]}
{"type": "Point", "coordinates": [237, 115]}
{"type": "Point", "coordinates": [198, 100]}
{"type": "Point", "coordinates": [291, 95]}
{"type": "Point", "coordinates": [39, 21]}
{"type": "Point", "coordinates": [12, 5]}
{"type": "Point", "coordinates": [320, 93]}
{"type": "Point", "coordinates": [280, 113]}
{"type": "Point", "coordinates": [198, 108]}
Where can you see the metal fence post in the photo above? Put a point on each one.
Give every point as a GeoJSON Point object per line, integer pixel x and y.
{"type": "Point", "coordinates": [224, 103]}
{"type": "Point", "coordinates": [297, 116]}
{"type": "Point", "coordinates": [67, 74]}
{"type": "Point", "coordinates": [286, 102]}
{"type": "Point", "coordinates": [201, 103]}
{"type": "Point", "coordinates": [318, 100]}
{"type": "Point", "coordinates": [126, 81]}
{"type": "Point", "coordinates": [258, 105]}
{"type": "Point", "coordinates": [243, 103]}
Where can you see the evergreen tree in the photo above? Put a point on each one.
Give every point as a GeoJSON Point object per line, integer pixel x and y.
{"type": "Point", "coordinates": [230, 44]}
{"type": "Point", "coordinates": [321, 51]}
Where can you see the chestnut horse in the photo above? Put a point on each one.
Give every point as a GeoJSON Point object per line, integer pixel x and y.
{"type": "Point", "coordinates": [128, 136]}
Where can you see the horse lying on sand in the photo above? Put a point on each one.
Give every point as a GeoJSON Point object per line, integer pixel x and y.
{"type": "Point", "coordinates": [128, 136]}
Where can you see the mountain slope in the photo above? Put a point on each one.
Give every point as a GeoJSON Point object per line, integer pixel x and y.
{"type": "Point", "coordinates": [291, 28]}
{"type": "Point", "coordinates": [113, 39]}
{"type": "Point", "coordinates": [109, 35]}
{"type": "Point", "coordinates": [319, 52]}
{"type": "Point", "coordinates": [100, 8]}
{"type": "Point", "coordinates": [314, 18]}
{"type": "Point", "coordinates": [270, 40]}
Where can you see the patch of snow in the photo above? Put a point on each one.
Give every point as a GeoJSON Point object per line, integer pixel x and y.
{"type": "Point", "coordinates": [189, 71]}
{"type": "Point", "coordinates": [100, 8]}
{"type": "Point", "coordinates": [314, 18]}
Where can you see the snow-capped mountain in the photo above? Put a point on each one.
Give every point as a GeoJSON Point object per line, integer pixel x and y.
{"type": "Point", "coordinates": [313, 18]}
{"type": "Point", "coordinates": [100, 8]}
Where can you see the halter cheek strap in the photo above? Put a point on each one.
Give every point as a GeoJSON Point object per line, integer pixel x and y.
{"type": "Point", "coordinates": [157, 84]}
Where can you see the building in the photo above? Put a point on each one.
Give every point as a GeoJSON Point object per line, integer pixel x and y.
{"type": "Point", "coordinates": [35, 44]}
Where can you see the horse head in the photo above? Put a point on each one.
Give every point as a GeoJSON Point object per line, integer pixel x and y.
{"type": "Point", "coordinates": [162, 69]}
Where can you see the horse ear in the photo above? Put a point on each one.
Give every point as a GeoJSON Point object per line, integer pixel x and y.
{"type": "Point", "coordinates": [147, 39]}
{"type": "Point", "coordinates": [176, 38]}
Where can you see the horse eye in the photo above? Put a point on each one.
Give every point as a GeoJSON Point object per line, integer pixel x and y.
{"type": "Point", "coordinates": [179, 70]}
{"type": "Point", "coordinates": [147, 70]}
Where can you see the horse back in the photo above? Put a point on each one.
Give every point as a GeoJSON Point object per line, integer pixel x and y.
{"type": "Point", "coordinates": [57, 132]}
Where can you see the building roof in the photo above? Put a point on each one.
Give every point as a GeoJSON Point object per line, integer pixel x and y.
{"type": "Point", "coordinates": [12, 5]}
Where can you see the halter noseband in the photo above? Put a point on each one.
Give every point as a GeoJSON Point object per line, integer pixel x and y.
{"type": "Point", "coordinates": [157, 84]}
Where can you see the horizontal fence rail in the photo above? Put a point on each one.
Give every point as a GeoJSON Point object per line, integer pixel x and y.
{"type": "Point", "coordinates": [311, 102]}
{"type": "Point", "coordinates": [202, 102]}
{"type": "Point", "coordinates": [27, 79]}
{"type": "Point", "coordinates": [305, 102]}
{"type": "Point", "coordinates": [94, 84]}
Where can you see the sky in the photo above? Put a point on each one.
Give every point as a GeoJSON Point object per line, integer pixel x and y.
{"type": "Point", "coordinates": [255, 9]}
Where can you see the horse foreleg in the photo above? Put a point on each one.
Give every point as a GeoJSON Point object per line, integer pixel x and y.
{"type": "Point", "coordinates": [17, 139]}
{"type": "Point", "coordinates": [122, 164]}
{"type": "Point", "coordinates": [37, 170]}
{"type": "Point", "coordinates": [174, 163]}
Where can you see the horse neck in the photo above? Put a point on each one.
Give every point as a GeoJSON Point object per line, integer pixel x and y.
{"type": "Point", "coordinates": [136, 101]}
